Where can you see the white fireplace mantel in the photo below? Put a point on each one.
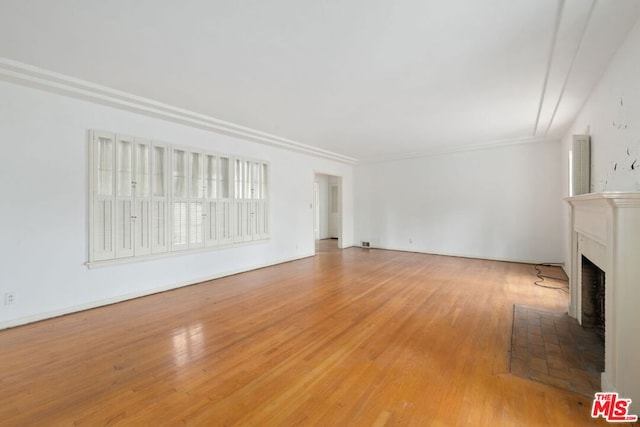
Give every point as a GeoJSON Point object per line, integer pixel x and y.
{"type": "Point", "coordinates": [605, 228]}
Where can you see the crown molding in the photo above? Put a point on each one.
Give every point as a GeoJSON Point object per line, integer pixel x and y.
{"type": "Point", "coordinates": [451, 149]}
{"type": "Point", "coordinates": [31, 76]}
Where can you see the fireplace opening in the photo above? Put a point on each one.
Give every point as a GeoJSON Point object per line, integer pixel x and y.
{"type": "Point", "coordinates": [593, 283]}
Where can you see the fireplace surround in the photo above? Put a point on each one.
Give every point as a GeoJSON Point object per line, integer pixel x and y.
{"type": "Point", "coordinates": [605, 229]}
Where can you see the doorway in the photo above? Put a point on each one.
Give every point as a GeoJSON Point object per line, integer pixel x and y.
{"type": "Point", "coordinates": [316, 210]}
{"type": "Point", "coordinates": [334, 210]}
{"type": "Point", "coordinates": [327, 212]}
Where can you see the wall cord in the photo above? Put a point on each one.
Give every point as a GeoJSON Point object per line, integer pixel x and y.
{"type": "Point", "coordinates": [541, 277]}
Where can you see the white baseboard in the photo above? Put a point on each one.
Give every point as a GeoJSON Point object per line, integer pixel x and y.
{"type": "Point", "coordinates": [606, 384]}
{"type": "Point", "coordinates": [516, 260]}
{"type": "Point", "coordinates": [120, 298]}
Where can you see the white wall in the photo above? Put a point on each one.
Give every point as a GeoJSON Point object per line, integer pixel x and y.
{"type": "Point", "coordinates": [43, 220]}
{"type": "Point", "coordinates": [611, 116]}
{"type": "Point", "coordinates": [500, 203]}
{"type": "Point", "coordinates": [323, 188]}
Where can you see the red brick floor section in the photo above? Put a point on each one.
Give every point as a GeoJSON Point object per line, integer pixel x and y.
{"type": "Point", "coordinates": [552, 348]}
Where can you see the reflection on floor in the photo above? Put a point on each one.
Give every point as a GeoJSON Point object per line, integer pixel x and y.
{"type": "Point", "coordinates": [327, 246]}
{"type": "Point", "coordinates": [552, 348]}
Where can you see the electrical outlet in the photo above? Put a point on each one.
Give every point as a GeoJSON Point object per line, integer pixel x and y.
{"type": "Point", "coordinates": [9, 298]}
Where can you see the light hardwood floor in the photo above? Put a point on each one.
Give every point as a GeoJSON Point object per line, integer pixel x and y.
{"type": "Point", "coordinates": [353, 337]}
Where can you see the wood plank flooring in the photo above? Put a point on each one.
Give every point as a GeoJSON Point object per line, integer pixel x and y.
{"type": "Point", "coordinates": [353, 337]}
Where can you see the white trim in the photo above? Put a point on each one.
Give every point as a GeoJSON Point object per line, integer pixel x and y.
{"type": "Point", "coordinates": [31, 76]}
{"type": "Point", "coordinates": [28, 75]}
{"type": "Point", "coordinates": [485, 258]}
{"type": "Point", "coordinates": [95, 304]}
{"type": "Point", "coordinates": [170, 254]}
{"type": "Point", "coordinates": [606, 384]}
{"type": "Point", "coordinates": [615, 198]}
{"type": "Point", "coordinates": [349, 246]}
{"type": "Point", "coordinates": [442, 149]}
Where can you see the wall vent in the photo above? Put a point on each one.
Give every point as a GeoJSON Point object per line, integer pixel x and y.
{"type": "Point", "coordinates": [365, 244]}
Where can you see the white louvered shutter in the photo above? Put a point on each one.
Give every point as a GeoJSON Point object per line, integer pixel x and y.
{"type": "Point", "coordinates": [262, 204]}
{"type": "Point", "coordinates": [102, 245]}
{"type": "Point", "coordinates": [142, 197]}
{"type": "Point", "coordinates": [179, 200]}
{"type": "Point", "coordinates": [159, 199]}
{"type": "Point", "coordinates": [149, 198]}
{"type": "Point", "coordinates": [226, 206]}
{"type": "Point", "coordinates": [210, 200]}
{"type": "Point", "coordinates": [196, 200]}
{"type": "Point", "coordinates": [125, 210]}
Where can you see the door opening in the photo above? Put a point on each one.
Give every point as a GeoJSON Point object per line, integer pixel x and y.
{"type": "Point", "coordinates": [327, 209]}
{"type": "Point", "coordinates": [334, 210]}
{"type": "Point", "coordinates": [316, 210]}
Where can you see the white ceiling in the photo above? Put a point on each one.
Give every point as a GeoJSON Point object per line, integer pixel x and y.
{"type": "Point", "coordinates": [368, 79]}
